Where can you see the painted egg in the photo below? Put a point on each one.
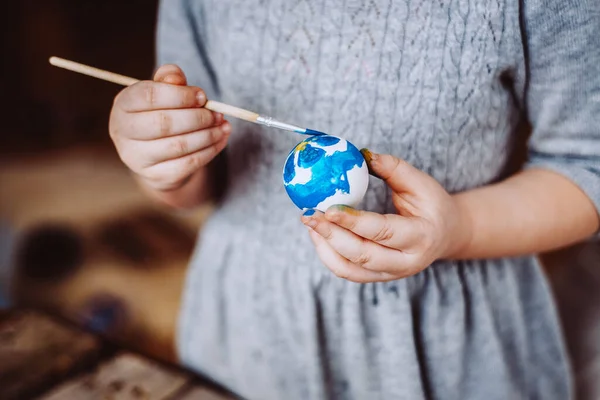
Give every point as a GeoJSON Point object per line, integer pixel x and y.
{"type": "Point", "coordinates": [322, 171]}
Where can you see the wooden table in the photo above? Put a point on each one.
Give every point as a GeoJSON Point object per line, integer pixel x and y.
{"type": "Point", "coordinates": [45, 358]}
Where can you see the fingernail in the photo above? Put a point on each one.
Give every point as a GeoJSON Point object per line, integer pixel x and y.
{"type": "Point", "coordinates": [218, 118]}
{"type": "Point", "coordinates": [226, 127]}
{"type": "Point", "coordinates": [369, 158]}
{"type": "Point", "coordinates": [310, 222]}
{"type": "Point", "coordinates": [368, 155]}
{"type": "Point", "coordinates": [346, 209]}
{"type": "Point", "coordinates": [172, 79]}
{"type": "Point", "coordinates": [333, 215]}
{"type": "Point", "coordinates": [340, 207]}
{"type": "Point", "coordinates": [201, 96]}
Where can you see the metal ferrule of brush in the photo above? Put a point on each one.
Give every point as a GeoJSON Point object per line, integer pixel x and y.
{"type": "Point", "coordinates": [270, 122]}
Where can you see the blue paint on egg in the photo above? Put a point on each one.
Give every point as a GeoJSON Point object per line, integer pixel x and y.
{"type": "Point", "coordinates": [313, 132]}
{"type": "Point", "coordinates": [310, 156]}
{"type": "Point", "coordinates": [317, 170]}
{"type": "Point", "coordinates": [325, 140]}
{"type": "Point", "coordinates": [289, 171]}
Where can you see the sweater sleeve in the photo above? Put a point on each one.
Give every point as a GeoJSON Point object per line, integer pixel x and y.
{"type": "Point", "coordinates": [562, 48]}
{"type": "Point", "coordinates": [180, 40]}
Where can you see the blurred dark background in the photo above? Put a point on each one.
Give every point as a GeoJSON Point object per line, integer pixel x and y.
{"type": "Point", "coordinates": [77, 237]}
{"type": "Point", "coordinates": [44, 107]}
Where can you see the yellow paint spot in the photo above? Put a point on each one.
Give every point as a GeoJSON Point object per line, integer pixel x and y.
{"type": "Point", "coordinates": [300, 147]}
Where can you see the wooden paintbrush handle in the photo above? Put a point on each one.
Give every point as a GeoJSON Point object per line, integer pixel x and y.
{"type": "Point", "coordinates": [93, 72]}
{"type": "Point", "coordinates": [231, 111]}
{"type": "Point", "coordinates": [128, 81]}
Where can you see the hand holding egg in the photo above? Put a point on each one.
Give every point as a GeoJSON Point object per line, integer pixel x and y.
{"type": "Point", "coordinates": [324, 170]}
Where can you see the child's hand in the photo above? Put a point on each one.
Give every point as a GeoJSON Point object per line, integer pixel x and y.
{"type": "Point", "coordinates": [368, 247]}
{"type": "Point", "coordinates": [161, 131]}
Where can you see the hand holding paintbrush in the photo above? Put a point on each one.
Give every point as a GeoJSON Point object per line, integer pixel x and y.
{"type": "Point", "coordinates": [164, 133]}
{"type": "Point", "coordinates": [210, 104]}
{"type": "Point", "coordinates": [167, 132]}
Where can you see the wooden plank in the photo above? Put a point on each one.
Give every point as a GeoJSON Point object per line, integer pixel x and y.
{"type": "Point", "coordinates": [36, 351]}
{"type": "Point", "coordinates": [126, 377]}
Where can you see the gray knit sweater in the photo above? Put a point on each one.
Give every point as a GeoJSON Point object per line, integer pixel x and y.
{"type": "Point", "coordinates": [442, 84]}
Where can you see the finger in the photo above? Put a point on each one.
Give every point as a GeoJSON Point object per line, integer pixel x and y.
{"type": "Point", "coordinates": [341, 267]}
{"type": "Point", "coordinates": [176, 169]}
{"type": "Point", "coordinates": [391, 231]}
{"type": "Point", "coordinates": [399, 175]}
{"type": "Point", "coordinates": [170, 148]}
{"type": "Point", "coordinates": [148, 96]}
{"type": "Point", "coordinates": [346, 243]}
{"type": "Point", "coordinates": [170, 73]}
{"type": "Point", "coordinates": [153, 125]}
{"type": "Point", "coordinates": [363, 253]}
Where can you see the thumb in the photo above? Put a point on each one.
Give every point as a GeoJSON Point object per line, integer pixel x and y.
{"type": "Point", "coordinates": [398, 174]}
{"type": "Point", "coordinates": [171, 74]}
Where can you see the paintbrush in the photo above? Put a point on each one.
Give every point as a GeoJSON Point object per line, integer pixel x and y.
{"type": "Point", "coordinates": [212, 105]}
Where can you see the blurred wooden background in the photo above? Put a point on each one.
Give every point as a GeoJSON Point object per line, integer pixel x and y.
{"type": "Point", "coordinates": [89, 245]}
